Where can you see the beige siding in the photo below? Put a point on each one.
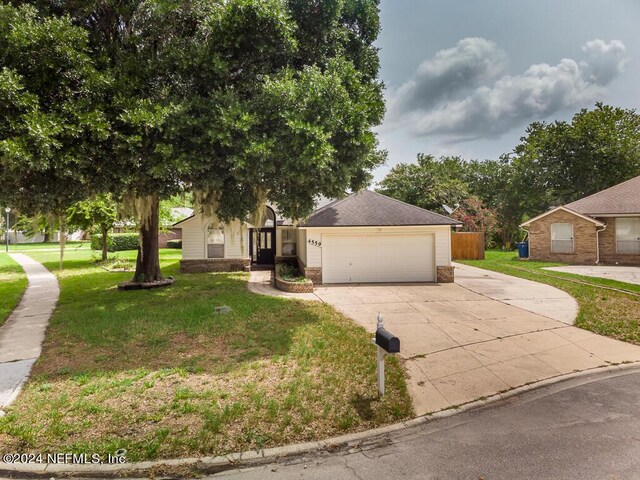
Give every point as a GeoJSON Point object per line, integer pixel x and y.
{"type": "Point", "coordinates": [314, 252]}
{"type": "Point", "coordinates": [301, 246]}
{"type": "Point", "coordinates": [279, 241]}
{"type": "Point", "coordinates": [443, 246]}
{"type": "Point", "coordinates": [193, 246]}
{"type": "Point", "coordinates": [236, 242]}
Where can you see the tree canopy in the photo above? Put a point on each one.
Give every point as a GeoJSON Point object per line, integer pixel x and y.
{"type": "Point", "coordinates": [238, 100]}
{"type": "Point", "coordinates": [560, 162]}
{"type": "Point", "coordinates": [429, 183]}
{"type": "Point", "coordinates": [554, 164]}
{"type": "Point", "coordinates": [51, 121]}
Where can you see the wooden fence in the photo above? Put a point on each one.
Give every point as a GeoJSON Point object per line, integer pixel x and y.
{"type": "Point", "coordinates": [467, 245]}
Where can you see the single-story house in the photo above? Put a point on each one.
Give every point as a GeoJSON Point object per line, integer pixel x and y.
{"type": "Point", "coordinates": [601, 228]}
{"type": "Point", "coordinates": [363, 238]}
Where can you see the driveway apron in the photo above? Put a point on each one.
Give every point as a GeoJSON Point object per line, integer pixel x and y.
{"type": "Point", "coordinates": [22, 334]}
{"type": "Point", "coordinates": [610, 272]}
{"type": "Point", "coordinates": [485, 334]}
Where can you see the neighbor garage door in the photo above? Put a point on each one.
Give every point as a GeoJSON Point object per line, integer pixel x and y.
{"type": "Point", "coordinates": [377, 258]}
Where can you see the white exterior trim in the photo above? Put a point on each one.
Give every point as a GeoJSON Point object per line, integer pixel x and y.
{"type": "Point", "coordinates": [613, 215]}
{"type": "Point", "coordinates": [358, 257]}
{"type": "Point", "coordinates": [564, 209]}
{"type": "Point", "coordinates": [313, 236]}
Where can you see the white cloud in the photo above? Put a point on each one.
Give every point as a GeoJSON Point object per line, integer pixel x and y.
{"type": "Point", "coordinates": [464, 92]}
{"type": "Point", "coordinates": [604, 61]}
{"type": "Point", "coordinates": [471, 63]}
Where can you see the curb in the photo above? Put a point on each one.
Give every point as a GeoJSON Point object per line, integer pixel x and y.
{"type": "Point", "coordinates": [344, 443]}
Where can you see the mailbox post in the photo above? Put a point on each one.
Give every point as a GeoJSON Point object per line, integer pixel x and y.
{"type": "Point", "coordinates": [386, 343]}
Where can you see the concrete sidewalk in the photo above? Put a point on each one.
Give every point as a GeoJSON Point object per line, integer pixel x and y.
{"type": "Point", "coordinates": [22, 334]}
{"type": "Point", "coordinates": [610, 272]}
{"type": "Point", "coordinates": [531, 296]}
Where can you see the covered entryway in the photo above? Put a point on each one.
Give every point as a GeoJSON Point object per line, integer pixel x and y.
{"type": "Point", "coordinates": [378, 258]}
{"type": "Point", "coordinates": [262, 240]}
{"type": "Point", "coordinates": [262, 245]}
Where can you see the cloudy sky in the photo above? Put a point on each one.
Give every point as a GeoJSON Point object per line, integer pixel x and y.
{"type": "Point", "coordinates": [466, 77]}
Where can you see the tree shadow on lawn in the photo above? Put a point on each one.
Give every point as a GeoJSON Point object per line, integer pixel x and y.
{"type": "Point", "coordinates": [97, 328]}
{"type": "Point", "coordinates": [162, 374]}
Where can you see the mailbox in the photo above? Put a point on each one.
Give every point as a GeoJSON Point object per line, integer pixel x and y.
{"type": "Point", "coordinates": [387, 341]}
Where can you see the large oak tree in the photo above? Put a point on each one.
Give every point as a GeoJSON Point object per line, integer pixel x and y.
{"type": "Point", "coordinates": [239, 100]}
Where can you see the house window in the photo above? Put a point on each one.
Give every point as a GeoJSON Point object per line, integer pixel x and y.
{"type": "Point", "coordinates": [215, 242]}
{"type": "Point", "coordinates": [289, 239]}
{"type": "Point", "coordinates": [628, 235]}
{"type": "Point", "coordinates": [562, 238]}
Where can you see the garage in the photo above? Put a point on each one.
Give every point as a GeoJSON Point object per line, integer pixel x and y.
{"type": "Point", "coordinates": [378, 258]}
{"type": "Point", "coordinates": [367, 237]}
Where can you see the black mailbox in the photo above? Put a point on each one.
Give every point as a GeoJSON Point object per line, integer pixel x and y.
{"type": "Point", "coordinates": [387, 341]}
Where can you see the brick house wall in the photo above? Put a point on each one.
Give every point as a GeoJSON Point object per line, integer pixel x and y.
{"type": "Point", "coordinates": [608, 250]}
{"type": "Point", "coordinates": [171, 234]}
{"type": "Point", "coordinates": [584, 239]}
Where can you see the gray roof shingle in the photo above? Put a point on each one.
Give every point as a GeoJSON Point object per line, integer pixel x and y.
{"type": "Point", "coordinates": [369, 209]}
{"type": "Point", "coordinates": [623, 198]}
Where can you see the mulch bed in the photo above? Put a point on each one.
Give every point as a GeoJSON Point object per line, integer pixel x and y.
{"type": "Point", "coordinates": [145, 285]}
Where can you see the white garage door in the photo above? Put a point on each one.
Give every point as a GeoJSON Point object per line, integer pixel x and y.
{"type": "Point", "coordinates": [377, 258]}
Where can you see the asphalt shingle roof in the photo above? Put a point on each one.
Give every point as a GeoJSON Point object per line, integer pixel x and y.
{"type": "Point", "coordinates": [623, 198]}
{"type": "Point", "coordinates": [369, 209]}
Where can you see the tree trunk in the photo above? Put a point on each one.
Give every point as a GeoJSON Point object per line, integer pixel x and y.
{"type": "Point", "coordinates": [148, 261]}
{"type": "Point", "coordinates": [105, 231]}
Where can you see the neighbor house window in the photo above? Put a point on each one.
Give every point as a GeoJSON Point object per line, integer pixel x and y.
{"type": "Point", "coordinates": [215, 242]}
{"type": "Point", "coordinates": [562, 238]}
{"type": "Point", "coordinates": [628, 235]}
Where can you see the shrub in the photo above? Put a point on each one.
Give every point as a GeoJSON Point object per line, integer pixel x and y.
{"type": "Point", "coordinates": [174, 243]}
{"type": "Point", "coordinates": [116, 242]}
{"type": "Point", "coordinates": [288, 272]}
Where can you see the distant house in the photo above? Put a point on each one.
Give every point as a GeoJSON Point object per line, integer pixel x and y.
{"type": "Point", "coordinates": [601, 228]}
{"type": "Point", "coordinates": [363, 238]}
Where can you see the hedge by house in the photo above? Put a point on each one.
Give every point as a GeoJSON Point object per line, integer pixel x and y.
{"type": "Point", "coordinates": [116, 242]}
{"type": "Point", "coordinates": [177, 243]}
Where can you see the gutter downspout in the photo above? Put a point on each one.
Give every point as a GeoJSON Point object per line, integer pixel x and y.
{"type": "Point", "coordinates": [598, 243]}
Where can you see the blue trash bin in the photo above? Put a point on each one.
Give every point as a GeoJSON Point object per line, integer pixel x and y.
{"type": "Point", "coordinates": [523, 249]}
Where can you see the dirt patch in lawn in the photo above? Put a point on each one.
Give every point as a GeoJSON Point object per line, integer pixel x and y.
{"type": "Point", "coordinates": [163, 374]}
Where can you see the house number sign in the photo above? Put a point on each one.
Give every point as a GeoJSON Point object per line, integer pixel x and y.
{"type": "Point", "coordinates": [315, 243]}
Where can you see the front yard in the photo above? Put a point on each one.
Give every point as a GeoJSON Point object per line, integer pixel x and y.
{"type": "Point", "coordinates": [13, 281]}
{"type": "Point", "coordinates": [164, 374]}
{"type": "Point", "coordinates": [604, 311]}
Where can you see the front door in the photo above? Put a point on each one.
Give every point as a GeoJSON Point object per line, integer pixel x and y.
{"type": "Point", "coordinates": [263, 246]}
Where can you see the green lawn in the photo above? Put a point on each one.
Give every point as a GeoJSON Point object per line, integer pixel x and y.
{"type": "Point", "coordinates": [603, 311]}
{"type": "Point", "coordinates": [162, 374]}
{"type": "Point", "coordinates": [13, 282]}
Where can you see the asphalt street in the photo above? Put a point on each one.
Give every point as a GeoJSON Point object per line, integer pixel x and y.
{"type": "Point", "coordinates": [587, 428]}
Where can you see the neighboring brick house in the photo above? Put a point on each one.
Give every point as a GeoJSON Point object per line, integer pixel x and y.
{"type": "Point", "coordinates": [173, 233]}
{"type": "Point", "coordinates": [601, 228]}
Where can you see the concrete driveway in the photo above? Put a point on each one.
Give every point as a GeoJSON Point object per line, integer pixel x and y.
{"type": "Point", "coordinates": [482, 335]}
{"type": "Point", "coordinates": [611, 272]}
